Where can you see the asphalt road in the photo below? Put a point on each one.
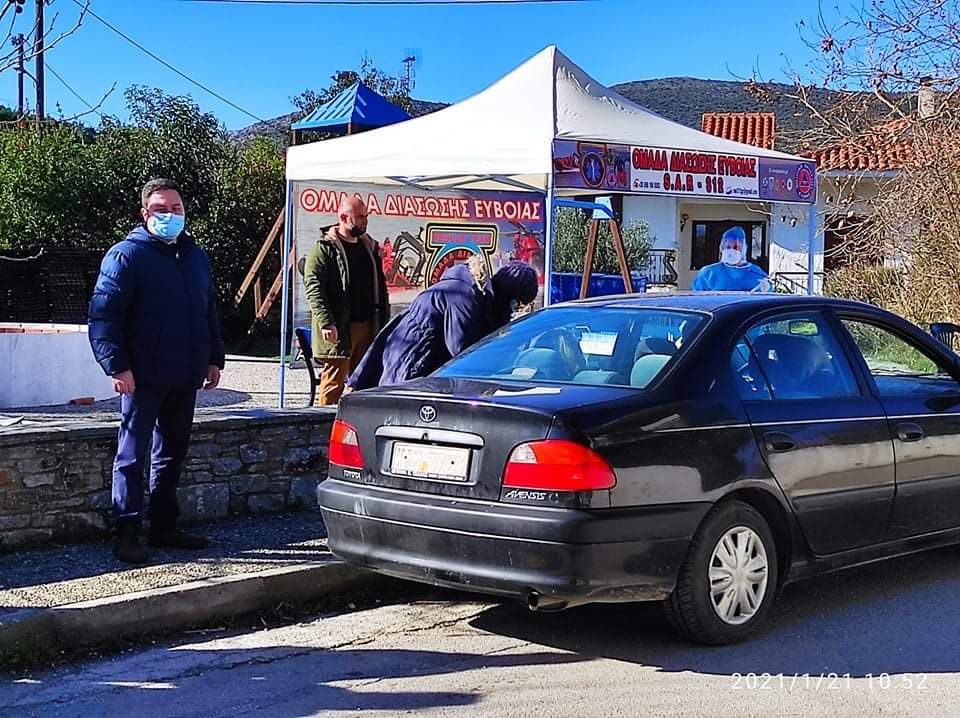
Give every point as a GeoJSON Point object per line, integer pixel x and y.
{"type": "Point", "coordinates": [889, 631]}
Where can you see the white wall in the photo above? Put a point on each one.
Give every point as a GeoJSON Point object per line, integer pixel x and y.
{"type": "Point", "coordinates": [789, 233]}
{"type": "Point", "coordinates": [45, 369]}
{"type": "Point", "coordinates": [660, 214]}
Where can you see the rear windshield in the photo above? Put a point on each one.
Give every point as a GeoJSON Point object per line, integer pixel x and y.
{"type": "Point", "coordinates": [581, 345]}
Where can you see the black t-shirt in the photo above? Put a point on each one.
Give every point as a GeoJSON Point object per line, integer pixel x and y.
{"type": "Point", "coordinates": [361, 281]}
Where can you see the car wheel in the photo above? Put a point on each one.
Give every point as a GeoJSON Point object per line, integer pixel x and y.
{"type": "Point", "coordinates": [727, 583]}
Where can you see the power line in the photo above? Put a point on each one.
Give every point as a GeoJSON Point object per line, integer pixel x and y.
{"type": "Point", "coordinates": [388, 2]}
{"type": "Point", "coordinates": [171, 67]}
{"type": "Point", "coordinates": [72, 91]}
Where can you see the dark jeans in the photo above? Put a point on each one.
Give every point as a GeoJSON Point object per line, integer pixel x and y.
{"type": "Point", "coordinates": [167, 415]}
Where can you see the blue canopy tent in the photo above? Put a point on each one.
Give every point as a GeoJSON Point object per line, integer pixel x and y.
{"type": "Point", "coordinates": [356, 108]}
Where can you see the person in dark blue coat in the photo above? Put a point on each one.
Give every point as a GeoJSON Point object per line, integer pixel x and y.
{"type": "Point", "coordinates": [444, 319]}
{"type": "Point", "coordinates": [153, 327]}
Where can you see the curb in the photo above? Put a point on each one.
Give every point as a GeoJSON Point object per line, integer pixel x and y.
{"type": "Point", "coordinates": [105, 620]}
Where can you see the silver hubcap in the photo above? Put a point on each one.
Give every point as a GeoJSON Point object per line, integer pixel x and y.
{"type": "Point", "coordinates": [738, 575]}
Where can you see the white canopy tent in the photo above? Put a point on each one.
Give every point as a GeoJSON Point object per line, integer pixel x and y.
{"type": "Point", "coordinates": [503, 135]}
{"type": "Point", "coordinates": [500, 139]}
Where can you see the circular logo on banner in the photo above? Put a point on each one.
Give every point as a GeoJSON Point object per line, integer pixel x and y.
{"type": "Point", "coordinates": [443, 260]}
{"type": "Point", "coordinates": [593, 169]}
{"type": "Point", "coordinates": [804, 182]}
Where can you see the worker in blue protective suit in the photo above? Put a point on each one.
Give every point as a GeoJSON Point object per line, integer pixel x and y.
{"type": "Point", "coordinates": [733, 273]}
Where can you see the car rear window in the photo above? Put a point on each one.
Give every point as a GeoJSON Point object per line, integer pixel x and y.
{"type": "Point", "coordinates": [581, 345]}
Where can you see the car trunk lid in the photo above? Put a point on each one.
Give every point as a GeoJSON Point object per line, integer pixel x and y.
{"type": "Point", "coordinates": [451, 436]}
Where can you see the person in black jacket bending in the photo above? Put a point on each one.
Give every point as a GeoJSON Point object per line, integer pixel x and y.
{"type": "Point", "coordinates": [444, 320]}
{"type": "Point", "coordinates": [153, 327]}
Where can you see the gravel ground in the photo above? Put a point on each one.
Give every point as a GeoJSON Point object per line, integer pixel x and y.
{"type": "Point", "coordinates": [66, 574]}
{"type": "Point", "coordinates": [246, 383]}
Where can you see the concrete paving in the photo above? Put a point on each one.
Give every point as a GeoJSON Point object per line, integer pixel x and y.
{"type": "Point", "coordinates": [61, 575]}
{"type": "Point", "coordinates": [888, 631]}
{"type": "Point", "coordinates": [59, 600]}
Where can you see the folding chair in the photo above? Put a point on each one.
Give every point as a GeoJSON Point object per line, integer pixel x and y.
{"type": "Point", "coordinates": [303, 341]}
{"type": "Point", "coordinates": [946, 333]}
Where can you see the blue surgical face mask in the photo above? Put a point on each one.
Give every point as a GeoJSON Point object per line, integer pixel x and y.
{"type": "Point", "coordinates": [166, 225]}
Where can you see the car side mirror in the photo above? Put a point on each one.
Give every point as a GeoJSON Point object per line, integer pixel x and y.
{"type": "Point", "coordinates": [942, 402]}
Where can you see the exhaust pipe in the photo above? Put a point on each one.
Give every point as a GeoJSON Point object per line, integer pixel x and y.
{"type": "Point", "coordinates": [537, 602]}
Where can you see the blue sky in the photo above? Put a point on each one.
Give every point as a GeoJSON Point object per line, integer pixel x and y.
{"type": "Point", "coordinates": [259, 56]}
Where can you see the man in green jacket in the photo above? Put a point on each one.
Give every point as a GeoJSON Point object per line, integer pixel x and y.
{"type": "Point", "coordinates": [347, 293]}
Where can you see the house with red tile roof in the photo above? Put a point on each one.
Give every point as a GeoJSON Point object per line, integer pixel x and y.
{"type": "Point", "coordinates": [854, 168]}
{"type": "Point", "coordinates": [691, 226]}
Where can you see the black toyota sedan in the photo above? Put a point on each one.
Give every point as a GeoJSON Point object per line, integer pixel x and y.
{"type": "Point", "coordinates": [700, 450]}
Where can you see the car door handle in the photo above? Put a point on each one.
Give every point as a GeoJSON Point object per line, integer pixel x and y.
{"type": "Point", "coordinates": [778, 442]}
{"type": "Point", "coordinates": [910, 432]}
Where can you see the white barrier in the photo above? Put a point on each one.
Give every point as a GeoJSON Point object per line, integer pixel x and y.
{"type": "Point", "coordinates": [45, 364]}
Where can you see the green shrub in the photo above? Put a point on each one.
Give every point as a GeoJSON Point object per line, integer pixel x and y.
{"type": "Point", "coordinates": [570, 244]}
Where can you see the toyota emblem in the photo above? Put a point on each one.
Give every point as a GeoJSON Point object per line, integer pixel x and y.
{"type": "Point", "coordinates": [428, 414]}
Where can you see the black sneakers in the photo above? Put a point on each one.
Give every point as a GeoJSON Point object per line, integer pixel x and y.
{"type": "Point", "coordinates": [175, 538]}
{"type": "Point", "coordinates": [128, 547]}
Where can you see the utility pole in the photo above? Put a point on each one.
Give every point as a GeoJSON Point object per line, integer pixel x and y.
{"type": "Point", "coordinates": [38, 49]}
{"type": "Point", "coordinates": [19, 41]}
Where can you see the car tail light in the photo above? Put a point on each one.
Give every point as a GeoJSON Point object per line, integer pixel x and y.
{"type": "Point", "coordinates": [345, 446]}
{"type": "Point", "coordinates": [557, 466]}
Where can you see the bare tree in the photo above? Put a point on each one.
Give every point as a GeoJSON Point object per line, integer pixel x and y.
{"type": "Point", "coordinates": [893, 129]}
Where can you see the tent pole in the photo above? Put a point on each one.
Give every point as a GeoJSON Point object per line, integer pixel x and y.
{"type": "Point", "coordinates": [285, 301]}
{"type": "Point", "coordinates": [548, 240]}
{"type": "Point", "coordinates": [811, 246]}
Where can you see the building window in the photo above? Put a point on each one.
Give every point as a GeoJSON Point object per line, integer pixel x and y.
{"type": "Point", "coordinates": [848, 239]}
{"type": "Point", "coordinates": [706, 242]}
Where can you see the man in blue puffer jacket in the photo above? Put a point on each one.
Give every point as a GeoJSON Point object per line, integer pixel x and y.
{"type": "Point", "coordinates": [153, 327]}
{"type": "Point", "coordinates": [445, 319]}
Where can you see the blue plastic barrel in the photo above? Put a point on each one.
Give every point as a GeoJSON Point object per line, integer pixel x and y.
{"type": "Point", "coordinates": [565, 286]}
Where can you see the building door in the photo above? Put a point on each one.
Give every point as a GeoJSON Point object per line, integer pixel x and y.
{"type": "Point", "coordinates": [706, 242]}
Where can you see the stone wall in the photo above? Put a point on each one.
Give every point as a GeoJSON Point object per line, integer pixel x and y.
{"type": "Point", "coordinates": [55, 482]}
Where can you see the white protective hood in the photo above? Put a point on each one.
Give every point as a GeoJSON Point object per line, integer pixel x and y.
{"type": "Point", "coordinates": [502, 133]}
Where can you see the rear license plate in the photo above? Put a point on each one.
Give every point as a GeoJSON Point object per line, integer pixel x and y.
{"type": "Point", "coordinates": [443, 463]}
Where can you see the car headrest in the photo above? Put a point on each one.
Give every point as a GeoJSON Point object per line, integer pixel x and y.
{"type": "Point", "coordinates": [646, 368]}
{"type": "Point", "coordinates": [539, 363]}
{"type": "Point", "coordinates": [561, 341]}
{"type": "Point", "coordinates": [793, 357]}
{"type": "Point", "coordinates": [654, 345]}
{"type": "Point", "coordinates": [550, 339]}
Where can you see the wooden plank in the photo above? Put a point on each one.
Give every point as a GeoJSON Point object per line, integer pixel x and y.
{"type": "Point", "coordinates": [257, 294]}
{"type": "Point", "coordinates": [261, 255]}
{"type": "Point", "coordinates": [276, 288]}
{"type": "Point", "coordinates": [588, 260]}
{"type": "Point", "coordinates": [621, 255]}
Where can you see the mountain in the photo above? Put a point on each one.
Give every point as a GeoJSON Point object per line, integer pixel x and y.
{"type": "Point", "coordinates": [681, 99]}
{"type": "Point", "coordinates": [278, 129]}
{"type": "Point", "coordinates": [686, 99]}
